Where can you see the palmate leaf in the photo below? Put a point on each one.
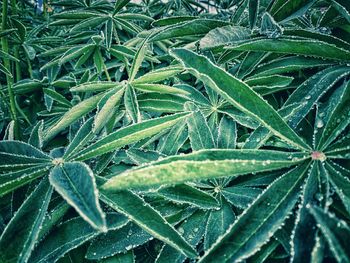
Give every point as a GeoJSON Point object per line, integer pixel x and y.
{"type": "Point", "coordinates": [335, 231]}
{"type": "Point", "coordinates": [128, 135]}
{"type": "Point", "coordinates": [20, 235]}
{"type": "Point", "coordinates": [141, 213]}
{"type": "Point", "coordinates": [203, 164]}
{"type": "Point", "coordinates": [260, 220]}
{"type": "Point", "coordinates": [16, 155]}
{"type": "Point", "coordinates": [306, 95]}
{"type": "Point", "coordinates": [239, 94]}
{"type": "Point", "coordinates": [75, 182]}
{"type": "Point", "coordinates": [70, 235]}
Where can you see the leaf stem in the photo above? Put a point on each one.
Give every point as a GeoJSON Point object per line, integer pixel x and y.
{"type": "Point", "coordinates": [9, 79]}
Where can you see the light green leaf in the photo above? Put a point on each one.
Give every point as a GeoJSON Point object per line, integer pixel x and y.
{"type": "Point", "coordinates": [302, 46]}
{"type": "Point", "coordinates": [202, 165]}
{"type": "Point", "coordinates": [194, 27]}
{"type": "Point", "coordinates": [72, 115]}
{"type": "Point", "coordinates": [96, 86]}
{"type": "Point", "coordinates": [159, 88]}
{"type": "Point", "coordinates": [138, 58]}
{"type": "Point", "coordinates": [129, 135]}
{"type": "Point", "coordinates": [227, 133]}
{"type": "Point", "coordinates": [158, 75]}
{"type": "Point", "coordinates": [75, 182]}
{"type": "Point", "coordinates": [106, 108]}
{"type": "Point", "coordinates": [239, 94]}
{"type": "Point", "coordinates": [225, 35]}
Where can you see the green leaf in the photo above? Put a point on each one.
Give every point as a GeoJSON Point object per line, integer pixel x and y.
{"type": "Point", "coordinates": [96, 86]}
{"type": "Point", "coordinates": [142, 214]}
{"type": "Point", "coordinates": [198, 130]}
{"type": "Point", "coordinates": [253, 12]}
{"type": "Point", "coordinates": [341, 185]}
{"type": "Point", "coordinates": [106, 108]}
{"type": "Point", "coordinates": [159, 88]}
{"type": "Point", "coordinates": [260, 220]}
{"type": "Point", "coordinates": [70, 235]}
{"type": "Point", "coordinates": [72, 115]}
{"type": "Point", "coordinates": [304, 97]}
{"type": "Point", "coordinates": [75, 182]}
{"type": "Point", "coordinates": [218, 223]}
{"type": "Point", "coordinates": [21, 233]}
{"type": "Point", "coordinates": [129, 135]}
{"type": "Point", "coordinates": [302, 244]}
{"type": "Point", "coordinates": [174, 139]}
{"type": "Point", "coordinates": [202, 165]}
{"type": "Point", "coordinates": [225, 35]}
{"type": "Point", "coordinates": [305, 47]}
{"type": "Point", "coordinates": [227, 133]}
{"type": "Point", "coordinates": [335, 231]}
{"type": "Point", "coordinates": [12, 180]}
{"type": "Point", "coordinates": [36, 135]}
{"type": "Point", "coordinates": [192, 230]}
{"type": "Point", "coordinates": [117, 241]}
{"type": "Point", "coordinates": [288, 9]}
{"type": "Point", "coordinates": [187, 194]}
{"type": "Point", "coordinates": [338, 120]}
{"type": "Point", "coordinates": [15, 155]}
{"type": "Point", "coordinates": [158, 75]}
{"type": "Point", "coordinates": [188, 28]}
{"type": "Point", "coordinates": [83, 135]}
{"type": "Point", "coordinates": [138, 58]}
{"type": "Point", "coordinates": [239, 94]}
{"type": "Point", "coordinates": [131, 104]}
{"type": "Point", "coordinates": [240, 196]}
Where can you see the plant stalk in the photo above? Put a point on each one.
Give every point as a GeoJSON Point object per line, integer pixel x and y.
{"type": "Point", "coordinates": [7, 64]}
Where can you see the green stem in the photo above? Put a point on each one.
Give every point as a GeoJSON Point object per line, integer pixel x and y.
{"type": "Point", "coordinates": [106, 72]}
{"type": "Point", "coordinates": [9, 79]}
{"type": "Point", "coordinates": [18, 66]}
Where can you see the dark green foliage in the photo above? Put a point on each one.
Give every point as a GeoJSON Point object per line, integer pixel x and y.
{"type": "Point", "coordinates": [175, 131]}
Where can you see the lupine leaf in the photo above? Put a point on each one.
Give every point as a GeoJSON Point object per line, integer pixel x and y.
{"type": "Point", "coordinates": [21, 233]}
{"type": "Point", "coordinates": [201, 165]}
{"type": "Point", "coordinates": [128, 135]}
{"type": "Point", "coordinates": [70, 235]}
{"type": "Point", "coordinates": [75, 182]}
{"type": "Point", "coordinates": [261, 219]}
{"type": "Point", "coordinates": [239, 94]}
{"type": "Point", "coordinates": [147, 218]}
{"type": "Point", "coordinates": [15, 155]}
{"type": "Point", "coordinates": [335, 231]}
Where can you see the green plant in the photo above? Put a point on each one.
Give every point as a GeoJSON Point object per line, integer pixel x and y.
{"type": "Point", "coordinates": [211, 131]}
